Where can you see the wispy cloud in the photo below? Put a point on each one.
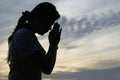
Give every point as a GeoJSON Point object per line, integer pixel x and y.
{"type": "Point", "coordinates": [90, 23]}
{"type": "Point", "coordinates": [77, 28]}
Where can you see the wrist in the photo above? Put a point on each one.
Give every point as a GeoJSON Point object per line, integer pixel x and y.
{"type": "Point", "coordinates": [54, 46]}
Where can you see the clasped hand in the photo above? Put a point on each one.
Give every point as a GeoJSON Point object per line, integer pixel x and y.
{"type": "Point", "coordinates": [55, 34]}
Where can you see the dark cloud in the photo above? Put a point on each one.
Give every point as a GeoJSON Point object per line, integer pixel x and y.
{"type": "Point", "coordinates": [71, 47]}
{"type": "Point", "coordinates": [79, 27]}
{"type": "Point", "coordinates": [108, 63]}
{"type": "Point", "coordinates": [3, 76]}
{"type": "Point", "coordinates": [87, 74]}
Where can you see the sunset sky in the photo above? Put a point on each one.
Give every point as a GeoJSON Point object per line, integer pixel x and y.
{"type": "Point", "coordinates": [90, 42]}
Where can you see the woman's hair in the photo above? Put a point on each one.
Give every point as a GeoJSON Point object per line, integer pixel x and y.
{"type": "Point", "coordinates": [43, 10]}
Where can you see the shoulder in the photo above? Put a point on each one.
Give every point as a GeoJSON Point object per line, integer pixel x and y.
{"type": "Point", "coordinates": [24, 31]}
{"type": "Point", "coordinates": [24, 34]}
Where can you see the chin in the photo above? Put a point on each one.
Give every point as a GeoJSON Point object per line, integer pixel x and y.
{"type": "Point", "coordinates": [41, 33]}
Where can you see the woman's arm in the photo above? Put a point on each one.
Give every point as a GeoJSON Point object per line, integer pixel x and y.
{"type": "Point", "coordinates": [50, 57]}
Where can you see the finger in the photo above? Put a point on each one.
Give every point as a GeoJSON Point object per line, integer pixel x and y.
{"type": "Point", "coordinates": [60, 30]}
{"type": "Point", "coordinates": [56, 27]}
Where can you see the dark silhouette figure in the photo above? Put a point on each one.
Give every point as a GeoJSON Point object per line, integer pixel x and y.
{"type": "Point", "coordinates": [26, 57]}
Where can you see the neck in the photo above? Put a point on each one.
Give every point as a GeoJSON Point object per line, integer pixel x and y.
{"type": "Point", "coordinates": [30, 27]}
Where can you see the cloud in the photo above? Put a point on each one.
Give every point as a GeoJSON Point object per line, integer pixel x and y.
{"type": "Point", "coordinates": [3, 77]}
{"type": "Point", "coordinates": [104, 64]}
{"type": "Point", "coordinates": [88, 74]}
{"type": "Point", "coordinates": [78, 27]}
{"type": "Point", "coordinates": [77, 8]}
{"type": "Point", "coordinates": [109, 4]}
{"type": "Point", "coordinates": [91, 42]}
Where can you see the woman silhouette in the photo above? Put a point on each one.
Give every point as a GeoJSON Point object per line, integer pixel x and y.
{"type": "Point", "coordinates": [26, 57]}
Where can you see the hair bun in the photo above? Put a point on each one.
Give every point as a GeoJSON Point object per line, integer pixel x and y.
{"type": "Point", "coordinates": [26, 15]}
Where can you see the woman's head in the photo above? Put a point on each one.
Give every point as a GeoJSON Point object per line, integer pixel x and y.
{"type": "Point", "coordinates": [40, 19]}
{"type": "Point", "coordinates": [43, 16]}
{"type": "Point", "coordinates": [45, 10]}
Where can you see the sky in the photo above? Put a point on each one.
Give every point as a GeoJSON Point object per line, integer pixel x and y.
{"type": "Point", "coordinates": [89, 48]}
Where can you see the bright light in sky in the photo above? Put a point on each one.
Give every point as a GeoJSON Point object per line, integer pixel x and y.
{"type": "Point", "coordinates": [89, 46]}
